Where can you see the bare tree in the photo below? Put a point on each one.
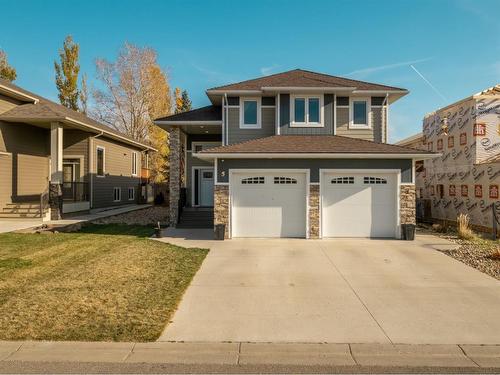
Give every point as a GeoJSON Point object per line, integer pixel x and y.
{"type": "Point", "coordinates": [136, 91]}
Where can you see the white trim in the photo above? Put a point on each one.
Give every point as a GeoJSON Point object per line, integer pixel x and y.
{"type": "Point", "coordinates": [103, 161]}
{"type": "Point", "coordinates": [368, 124]}
{"type": "Point", "coordinates": [223, 120]}
{"type": "Point", "coordinates": [186, 122]}
{"type": "Point", "coordinates": [278, 107]}
{"type": "Point", "coordinates": [18, 94]}
{"type": "Point", "coordinates": [307, 124]}
{"type": "Point", "coordinates": [397, 231]}
{"type": "Point", "coordinates": [119, 189]}
{"type": "Point", "coordinates": [5, 153]}
{"type": "Point", "coordinates": [134, 158]}
{"type": "Point", "coordinates": [235, 92]}
{"type": "Point", "coordinates": [209, 156]}
{"type": "Point", "coordinates": [334, 114]}
{"type": "Point", "coordinates": [306, 171]}
{"type": "Point", "coordinates": [215, 172]}
{"type": "Point", "coordinates": [267, 106]}
{"type": "Point", "coordinates": [258, 125]}
{"type": "Point", "coordinates": [131, 189]}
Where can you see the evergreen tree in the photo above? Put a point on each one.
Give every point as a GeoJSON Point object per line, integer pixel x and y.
{"type": "Point", "coordinates": [6, 71]}
{"type": "Point", "coordinates": [67, 74]}
{"type": "Point", "coordinates": [186, 102]}
{"type": "Point", "coordinates": [179, 105]}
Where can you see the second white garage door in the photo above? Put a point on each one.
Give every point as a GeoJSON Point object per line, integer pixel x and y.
{"type": "Point", "coordinates": [359, 204]}
{"type": "Point", "coordinates": [268, 204]}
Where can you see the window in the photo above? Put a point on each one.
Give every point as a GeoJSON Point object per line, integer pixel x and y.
{"type": "Point", "coordinates": [131, 193]}
{"type": "Point", "coordinates": [359, 113]}
{"type": "Point", "coordinates": [374, 180]}
{"type": "Point", "coordinates": [451, 141]}
{"type": "Point", "coordinates": [284, 180]}
{"type": "Point", "coordinates": [464, 190]}
{"type": "Point", "coordinates": [134, 163]}
{"type": "Point", "coordinates": [439, 144]}
{"type": "Point", "coordinates": [343, 180]}
{"type": "Point", "coordinates": [253, 180]}
{"type": "Point", "coordinates": [208, 175]}
{"type": "Point", "coordinates": [198, 148]}
{"type": "Point", "coordinates": [250, 113]}
{"type": "Point", "coordinates": [452, 191]}
{"type": "Point", "coordinates": [306, 111]}
{"type": "Point", "coordinates": [117, 194]}
{"type": "Point", "coordinates": [419, 166]}
{"type": "Point", "coordinates": [100, 161]}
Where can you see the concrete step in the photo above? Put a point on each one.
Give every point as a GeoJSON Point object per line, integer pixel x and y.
{"type": "Point", "coordinates": [13, 215]}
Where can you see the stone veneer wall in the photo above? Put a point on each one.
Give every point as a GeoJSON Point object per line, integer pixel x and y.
{"type": "Point", "coordinates": [314, 223]}
{"type": "Point", "coordinates": [174, 183]}
{"type": "Point", "coordinates": [221, 207]}
{"type": "Point", "coordinates": [407, 204]}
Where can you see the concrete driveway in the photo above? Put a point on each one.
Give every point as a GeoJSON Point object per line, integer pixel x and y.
{"type": "Point", "coordinates": [336, 291]}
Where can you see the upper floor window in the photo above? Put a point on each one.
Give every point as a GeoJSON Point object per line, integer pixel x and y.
{"type": "Point", "coordinates": [100, 161]}
{"type": "Point", "coordinates": [134, 163]}
{"type": "Point", "coordinates": [250, 113]}
{"type": "Point", "coordinates": [360, 110]}
{"type": "Point", "coordinates": [306, 111]}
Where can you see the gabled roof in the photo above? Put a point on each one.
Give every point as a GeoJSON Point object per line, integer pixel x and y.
{"type": "Point", "coordinates": [42, 109]}
{"type": "Point", "coordinates": [299, 145]}
{"type": "Point", "coordinates": [211, 113]}
{"type": "Point", "coordinates": [304, 78]}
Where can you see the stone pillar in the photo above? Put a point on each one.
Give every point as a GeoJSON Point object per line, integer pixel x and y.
{"type": "Point", "coordinates": [313, 211]}
{"type": "Point", "coordinates": [221, 207]}
{"type": "Point", "coordinates": [55, 201]}
{"type": "Point", "coordinates": [174, 174]}
{"type": "Point", "coordinates": [56, 174]}
{"type": "Point", "coordinates": [407, 195]}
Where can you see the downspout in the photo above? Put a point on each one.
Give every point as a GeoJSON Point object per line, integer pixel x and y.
{"type": "Point", "coordinates": [386, 104]}
{"type": "Point", "coordinates": [91, 165]}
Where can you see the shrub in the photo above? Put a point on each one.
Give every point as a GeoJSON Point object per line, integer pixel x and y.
{"type": "Point", "coordinates": [463, 228]}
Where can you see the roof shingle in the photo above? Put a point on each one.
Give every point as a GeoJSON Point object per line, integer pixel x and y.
{"type": "Point", "coordinates": [311, 144]}
{"type": "Point", "coordinates": [303, 78]}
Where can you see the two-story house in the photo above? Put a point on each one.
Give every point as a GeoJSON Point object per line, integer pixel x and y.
{"type": "Point", "coordinates": [294, 154]}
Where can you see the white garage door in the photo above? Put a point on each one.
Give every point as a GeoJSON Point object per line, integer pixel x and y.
{"type": "Point", "coordinates": [268, 204]}
{"type": "Point", "coordinates": [359, 204]}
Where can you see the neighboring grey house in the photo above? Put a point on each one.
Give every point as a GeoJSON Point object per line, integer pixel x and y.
{"type": "Point", "coordinates": [294, 154]}
{"type": "Point", "coordinates": [43, 144]}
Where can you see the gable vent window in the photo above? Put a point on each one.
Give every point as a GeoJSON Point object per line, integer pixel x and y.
{"type": "Point", "coordinates": [253, 180]}
{"type": "Point", "coordinates": [374, 180]}
{"type": "Point", "coordinates": [343, 180]}
{"type": "Point", "coordinates": [284, 180]}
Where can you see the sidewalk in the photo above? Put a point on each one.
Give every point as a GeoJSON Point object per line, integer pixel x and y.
{"type": "Point", "coordinates": [234, 356]}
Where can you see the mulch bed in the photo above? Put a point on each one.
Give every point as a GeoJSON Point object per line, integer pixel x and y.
{"type": "Point", "coordinates": [480, 253]}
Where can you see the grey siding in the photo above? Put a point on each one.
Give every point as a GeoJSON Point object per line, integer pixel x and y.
{"type": "Point", "coordinates": [375, 133]}
{"type": "Point", "coordinates": [268, 121]}
{"type": "Point", "coordinates": [118, 173]}
{"type": "Point", "coordinates": [26, 169]}
{"type": "Point", "coordinates": [314, 165]}
{"type": "Point", "coordinates": [329, 110]}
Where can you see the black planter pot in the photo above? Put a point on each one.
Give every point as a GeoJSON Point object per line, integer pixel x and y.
{"type": "Point", "coordinates": [408, 231]}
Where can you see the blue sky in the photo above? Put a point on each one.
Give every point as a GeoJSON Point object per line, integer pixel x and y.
{"type": "Point", "coordinates": [454, 44]}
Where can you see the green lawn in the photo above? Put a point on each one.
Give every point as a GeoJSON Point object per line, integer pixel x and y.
{"type": "Point", "coordinates": [106, 283]}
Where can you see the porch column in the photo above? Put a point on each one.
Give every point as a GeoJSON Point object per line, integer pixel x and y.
{"type": "Point", "coordinates": [174, 174]}
{"type": "Point", "coordinates": [56, 174]}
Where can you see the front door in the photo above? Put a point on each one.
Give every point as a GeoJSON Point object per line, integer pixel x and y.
{"type": "Point", "coordinates": [207, 187]}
